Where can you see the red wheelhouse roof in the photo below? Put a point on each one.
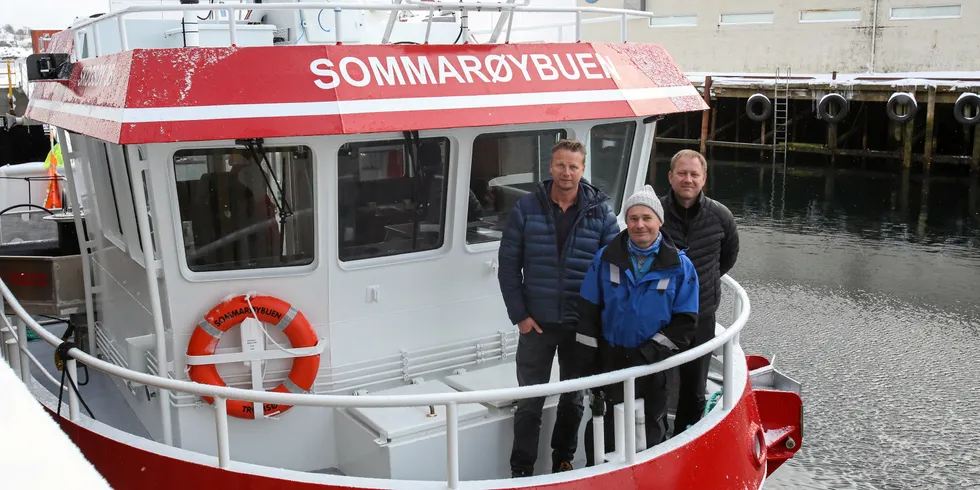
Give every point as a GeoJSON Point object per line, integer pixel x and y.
{"type": "Point", "coordinates": [200, 94]}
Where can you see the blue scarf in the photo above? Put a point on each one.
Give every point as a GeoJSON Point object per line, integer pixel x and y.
{"type": "Point", "coordinates": [648, 255]}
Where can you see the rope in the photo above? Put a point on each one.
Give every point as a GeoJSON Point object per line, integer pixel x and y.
{"type": "Point", "coordinates": [62, 353]}
{"type": "Point", "coordinates": [712, 402]}
{"type": "Point", "coordinates": [264, 331]}
{"type": "Point", "coordinates": [69, 331]}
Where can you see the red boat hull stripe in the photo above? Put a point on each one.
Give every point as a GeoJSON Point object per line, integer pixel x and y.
{"type": "Point", "coordinates": [719, 459]}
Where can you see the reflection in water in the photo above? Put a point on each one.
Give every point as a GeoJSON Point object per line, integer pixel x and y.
{"type": "Point", "coordinates": [923, 207]}
{"type": "Point", "coordinates": [974, 199]}
{"type": "Point", "coordinates": [865, 288]}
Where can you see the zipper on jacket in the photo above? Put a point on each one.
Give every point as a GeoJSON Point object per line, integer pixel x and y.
{"type": "Point", "coordinates": [672, 201]}
{"type": "Point", "coordinates": [568, 241]}
{"type": "Point", "coordinates": [568, 247]}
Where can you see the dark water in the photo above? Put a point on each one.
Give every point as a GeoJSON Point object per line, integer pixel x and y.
{"type": "Point", "coordinates": [865, 288]}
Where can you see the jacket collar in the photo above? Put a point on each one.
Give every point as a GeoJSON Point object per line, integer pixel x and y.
{"type": "Point", "coordinates": [588, 194]}
{"type": "Point", "coordinates": [672, 203]}
{"type": "Point", "coordinates": [617, 253]}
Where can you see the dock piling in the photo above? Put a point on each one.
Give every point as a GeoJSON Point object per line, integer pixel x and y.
{"type": "Point", "coordinates": [930, 123]}
{"type": "Point", "coordinates": [705, 115]}
{"type": "Point", "coordinates": [975, 161]}
{"type": "Point", "coordinates": [713, 133]}
{"type": "Point", "coordinates": [832, 142]}
{"type": "Point", "coordinates": [907, 138]}
{"type": "Point", "coordinates": [864, 130]}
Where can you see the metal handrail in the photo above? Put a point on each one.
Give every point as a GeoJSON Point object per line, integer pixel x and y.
{"type": "Point", "coordinates": [483, 396]}
{"type": "Point", "coordinates": [728, 340]}
{"type": "Point", "coordinates": [10, 330]}
{"type": "Point", "coordinates": [232, 9]}
{"type": "Point", "coordinates": [535, 27]}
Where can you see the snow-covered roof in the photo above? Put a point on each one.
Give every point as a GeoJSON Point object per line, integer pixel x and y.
{"type": "Point", "coordinates": [203, 94]}
{"type": "Point", "coordinates": [949, 80]}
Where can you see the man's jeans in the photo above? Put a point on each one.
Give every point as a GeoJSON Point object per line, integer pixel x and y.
{"type": "Point", "coordinates": [535, 356]}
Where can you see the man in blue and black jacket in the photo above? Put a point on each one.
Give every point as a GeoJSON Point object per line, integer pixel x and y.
{"type": "Point", "coordinates": [549, 241]}
{"type": "Point", "coordinates": [639, 306]}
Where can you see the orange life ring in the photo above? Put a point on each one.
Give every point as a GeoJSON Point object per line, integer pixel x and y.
{"type": "Point", "coordinates": [269, 310]}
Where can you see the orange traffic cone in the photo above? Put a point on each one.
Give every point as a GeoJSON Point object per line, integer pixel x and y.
{"type": "Point", "coordinates": [53, 200]}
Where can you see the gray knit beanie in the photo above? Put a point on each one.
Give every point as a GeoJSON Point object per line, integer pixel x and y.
{"type": "Point", "coordinates": [646, 197]}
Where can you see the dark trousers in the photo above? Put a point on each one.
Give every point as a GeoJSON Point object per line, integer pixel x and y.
{"type": "Point", "coordinates": [693, 377]}
{"type": "Point", "coordinates": [651, 388]}
{"type": "Point", "coordinates": [535, 355]}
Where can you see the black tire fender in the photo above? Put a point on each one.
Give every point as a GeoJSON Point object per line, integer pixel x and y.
{"type": "Point", "coordinates": [901, 99]}
{"type": "Point", "coordinates": [823, 108]}
{"type": "Point", "coordinates": [967, 99]}
{"type": "Point", "coordinates": [758, 108]}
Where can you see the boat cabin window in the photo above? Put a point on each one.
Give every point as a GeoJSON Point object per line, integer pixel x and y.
{"type": "Point", "coordinates": [119, 164]}
{"type": "Point", "coordinates": [105, 185]}
{"type": "Point", "coordinates": [610, 149]}
{"type": "Point", "coordinates": [392, 197]}
{"type": "Point", "coordinates": [505, 167]}
{"type": "Point", "coordinates": [241, 209]}
{"type": "Point", "coordinates": [149, 214]}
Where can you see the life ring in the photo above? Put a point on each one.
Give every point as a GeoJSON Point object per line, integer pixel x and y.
{"type": "Point", "coordinates": [903, 99]}
{"type": "Point", "coordinates": [967, 99]}
{"type": "Point", "coordinates": [758, 108]}
{"type": "Point", "coordinates": [823, 108]}
{"type": "Point", "coordinates": [266, 309]}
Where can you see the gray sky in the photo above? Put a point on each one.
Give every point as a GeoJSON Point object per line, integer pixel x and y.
{"type": "Point", "coordinates": [48, 14]}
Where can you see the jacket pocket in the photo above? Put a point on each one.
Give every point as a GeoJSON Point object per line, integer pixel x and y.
{"type": "Point", "coordinates": [657, 307]}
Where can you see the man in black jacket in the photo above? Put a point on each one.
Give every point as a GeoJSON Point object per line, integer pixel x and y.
{"type": "Point", "coordinates": [706, 228]}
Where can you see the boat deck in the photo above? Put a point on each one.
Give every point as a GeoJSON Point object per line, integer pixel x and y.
{"type": "Point", "coordinates": [105, 401]}
{"type": "Point", "coordinates": [109, 406]}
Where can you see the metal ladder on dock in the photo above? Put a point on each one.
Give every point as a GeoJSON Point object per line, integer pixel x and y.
{"type": "Point", "coordinates": [780, 117]}
{"type": "Point", "coordinates": [780, 137]}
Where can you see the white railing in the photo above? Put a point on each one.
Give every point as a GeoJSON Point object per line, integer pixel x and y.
{"type": "Point", "coordinates": [430, 7]}
{"type": "Point", "coordinates": [361, 375]}
{"type": "Point", "coordinates": [728, 340]}
{"type": "Point", "coordinates": [558, 27]}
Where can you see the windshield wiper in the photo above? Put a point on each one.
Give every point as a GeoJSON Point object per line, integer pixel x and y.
{"type": "Point", "coordinates": [283, 207]}
{"type": "Point", "coordinates": [413, 145]}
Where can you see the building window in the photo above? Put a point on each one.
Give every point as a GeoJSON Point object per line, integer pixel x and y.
{"type": "Point", "coordinates": [392, 197]}
{"type": "Point", "coordinates": [828, 15]}
{"type": "Point", "coordinates": [746, 18]}
{"type": "Point", "coordinates": [926, 12]}
{"type": "Point", "coordinates": [610, 148]}
{"type": "Point", "coordinates": [241, 209]}
{"type": "Point", "coordinates": [506, 166]}
{"type": "Point", "coordinates": [674, 20]}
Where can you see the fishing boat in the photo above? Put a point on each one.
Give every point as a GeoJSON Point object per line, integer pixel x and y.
{"type": "Point", "coordinates": [280, 278]}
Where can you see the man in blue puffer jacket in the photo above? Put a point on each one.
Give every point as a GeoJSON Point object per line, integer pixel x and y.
{"type": "Point", "coordinates": [639, 305]}
{"type": "Point", "coordinates": [549, 241]}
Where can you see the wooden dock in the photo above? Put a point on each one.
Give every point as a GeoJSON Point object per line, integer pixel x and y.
{"type": "Point", "coordinates": [931, 135]}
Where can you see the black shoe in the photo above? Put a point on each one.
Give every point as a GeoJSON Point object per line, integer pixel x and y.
{"type": "Point", "coordinates": [562, 466]}
{"type": "Point", "coordinates": [519, 474]}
